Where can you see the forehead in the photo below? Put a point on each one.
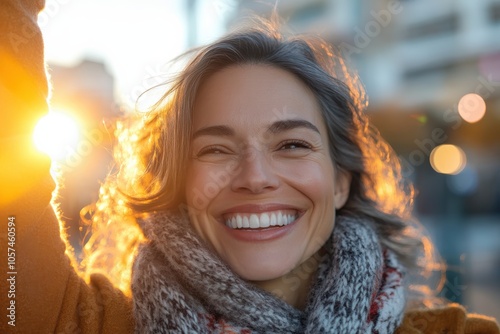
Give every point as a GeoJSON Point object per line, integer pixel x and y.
{"type": "Point", "coordinates": [254, 94]}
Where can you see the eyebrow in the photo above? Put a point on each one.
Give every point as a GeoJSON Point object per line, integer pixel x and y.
{"type": "Point", "coordinates": [216, 130]}
{"type": "Point", "coordinates": [281, 126]}
{"type": "Point", "coordinates": [276, 127]}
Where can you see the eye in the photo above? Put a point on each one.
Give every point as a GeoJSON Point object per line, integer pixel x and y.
{"type": "Point", "coordinates": [211, 150]}
{"type": "Point", "coordinates": [293, 144]}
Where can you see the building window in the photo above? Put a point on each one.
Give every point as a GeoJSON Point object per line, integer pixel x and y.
{"type": "Point", "coordinates": [494, 13]}
{"type": "Point", "coordinates": [444, 25]}
{"type": "Point", "coordinates": [438, 69]}
{"type": "Point", "coordinates": [308, 13]}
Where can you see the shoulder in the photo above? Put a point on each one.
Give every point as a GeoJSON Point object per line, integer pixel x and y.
{"type": "Point", "coordinates": [449, 319]}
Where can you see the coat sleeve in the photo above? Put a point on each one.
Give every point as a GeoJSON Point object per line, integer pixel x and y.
{"type": "Point", "coordinates": [44, 293]}
{"type": "Point", "coordinates": [450, 319]}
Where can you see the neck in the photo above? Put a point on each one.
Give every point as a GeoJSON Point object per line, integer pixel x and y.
{"type": "Point", "coordinates": [294, 287]}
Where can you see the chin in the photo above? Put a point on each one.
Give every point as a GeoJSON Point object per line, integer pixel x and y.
{"type": "Point", "coordinates": [262, 267]}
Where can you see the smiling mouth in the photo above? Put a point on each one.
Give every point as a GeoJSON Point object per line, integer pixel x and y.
{"type": "Point", "coordinates": [260, 220]}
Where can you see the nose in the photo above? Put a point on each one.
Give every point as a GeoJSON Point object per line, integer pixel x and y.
{"type": "Point", "coordinates": [255, 173]}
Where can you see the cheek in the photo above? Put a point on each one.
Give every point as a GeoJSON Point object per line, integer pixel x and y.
{"type": "Point", "coordinates": [199, 190]}
{"type": "Point", "coordinates": [313, 178]}
{"type": "Point", "coordinates": [204, 183]}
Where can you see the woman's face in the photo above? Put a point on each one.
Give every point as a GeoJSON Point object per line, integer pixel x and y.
{"type": "Point", "coordinates": [261, 186]}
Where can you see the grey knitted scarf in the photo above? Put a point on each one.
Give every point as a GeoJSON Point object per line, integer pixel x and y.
{"type": "Point", "coordinates": [180, 286]}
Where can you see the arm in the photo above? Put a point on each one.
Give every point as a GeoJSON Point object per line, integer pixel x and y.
{"type": "Point", "coordinates": [47, 294]}
{"type": "Point", "coordinates": [25, 180]}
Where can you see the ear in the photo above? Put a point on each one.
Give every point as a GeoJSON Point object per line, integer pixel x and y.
{"type": "Point", "coordinates": [342, 186]}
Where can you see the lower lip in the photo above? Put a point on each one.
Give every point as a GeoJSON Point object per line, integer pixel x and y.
{"type": "Point", "coordinates": [265, 234]}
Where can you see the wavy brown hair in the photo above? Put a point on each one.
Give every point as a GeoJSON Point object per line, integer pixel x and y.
{"type": "Point", "coordinates": [153, 148]}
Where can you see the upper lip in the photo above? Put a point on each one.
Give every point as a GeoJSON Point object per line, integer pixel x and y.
{"type": "Point", "coordinates": [260, 208]}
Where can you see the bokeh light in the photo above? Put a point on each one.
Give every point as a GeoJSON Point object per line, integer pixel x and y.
{"type": "Point", "coordinates": [448, 159]}
{"type": "Point", "coordinates": [55, 134]}
{"type": "Point", "coordinates": [471, 107]}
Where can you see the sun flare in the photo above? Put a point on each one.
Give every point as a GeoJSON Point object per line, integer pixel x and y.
{"type": "Point", "coordinates": [55, 134]}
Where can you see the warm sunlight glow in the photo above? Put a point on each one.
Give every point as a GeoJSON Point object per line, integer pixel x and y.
{"type": "Point", "coordinates": [55, 134]}
{"type": "Point", "coordinates": [448, 159]}
{"type": "Point", "coordinates": [471, 108]}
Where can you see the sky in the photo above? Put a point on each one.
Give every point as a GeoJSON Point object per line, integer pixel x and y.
{"type": "Point", "coordinates": [135, 39]}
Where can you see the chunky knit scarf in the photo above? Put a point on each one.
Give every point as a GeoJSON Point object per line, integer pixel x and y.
{"type": "Point", "coordinates": [180, 286]}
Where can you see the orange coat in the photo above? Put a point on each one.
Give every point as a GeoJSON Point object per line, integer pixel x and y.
{"type": "Point", "coordinates": [44, 294]}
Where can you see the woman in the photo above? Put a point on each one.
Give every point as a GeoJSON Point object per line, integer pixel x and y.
{"type": "Point", "coordinates": [254, 198]}
{"type": "Point", "coordinates": [268, 202]}
{"type": "Point", "coordinates": [266, 144]}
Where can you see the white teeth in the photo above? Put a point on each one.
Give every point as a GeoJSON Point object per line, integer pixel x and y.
{"type": "Point", "coordinates": [246, 223]}
{"type": "Point", "coordinates": [273, 220]}
{"type": "Point", "coordinates": [263, 220]}
{"type": "Point", "coordinates": [254, 221]}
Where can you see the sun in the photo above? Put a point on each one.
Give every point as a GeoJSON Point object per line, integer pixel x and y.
{"type": "Point", "coordinates": [56, 134]}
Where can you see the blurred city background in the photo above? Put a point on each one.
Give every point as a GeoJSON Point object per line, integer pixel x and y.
{"type": "Point", "coordinates": [431, 70]}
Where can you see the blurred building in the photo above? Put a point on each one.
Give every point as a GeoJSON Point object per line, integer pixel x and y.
{"type": "Point", "coordinates": [85, 92]}
{"type": "Point", "coordinates": [417, 59]}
